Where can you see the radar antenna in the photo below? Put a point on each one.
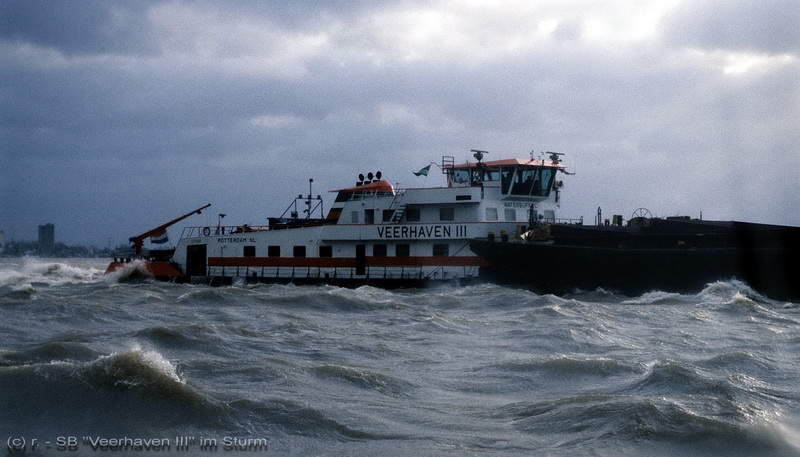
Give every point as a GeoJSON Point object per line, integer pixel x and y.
{"type": "Point", "coordinates": [554, 156]}
{"type": "Point", "coordinates": [478, 154]}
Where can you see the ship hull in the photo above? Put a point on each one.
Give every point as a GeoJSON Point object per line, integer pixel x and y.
{"type": "Point", "coordinates": [373, 233]}
{"type": "Point", "coordinates": [157, 269]}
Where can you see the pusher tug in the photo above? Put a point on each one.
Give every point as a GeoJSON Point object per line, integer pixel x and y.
{"type": "Point", "coordinates": [373, 233]}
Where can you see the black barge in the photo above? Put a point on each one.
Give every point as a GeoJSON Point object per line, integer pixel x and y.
{"type": "Point", "coordinates": [673, 254]}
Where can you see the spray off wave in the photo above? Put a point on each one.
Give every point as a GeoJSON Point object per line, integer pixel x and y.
{"type": "Point", "coordinates": [29, 272]}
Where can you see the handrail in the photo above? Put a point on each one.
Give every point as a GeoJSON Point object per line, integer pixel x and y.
{"type": "Point", "coordinates": [219, 230]}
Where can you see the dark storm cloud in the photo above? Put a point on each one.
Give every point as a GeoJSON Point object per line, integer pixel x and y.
{"type": "Point", "coordinates": [79, 27]}
{"type": "Point", "coordinates": [117, 116]}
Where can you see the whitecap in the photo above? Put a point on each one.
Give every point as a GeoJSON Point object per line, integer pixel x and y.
{"type": "Point", "coordinates": [133, 368]}
{"type": "Point", "coordinates": [31, 272]}
{"type": "Point", "coordinates": [654, 297]}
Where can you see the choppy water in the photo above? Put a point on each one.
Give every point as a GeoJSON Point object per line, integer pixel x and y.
{"type": "Point", "coordinates": [478, 370]}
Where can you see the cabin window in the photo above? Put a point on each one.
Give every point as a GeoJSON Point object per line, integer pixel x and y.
{"type": "Point", "coordinates": [354, 217]}
{"type": "Point", "coordinates": [379, 250]}
{"type": "Point", "coordinates": [527, 181]}
{"type": "Point", "coordinates": [511, 214]}
{"type": "Point", "coordinates": [402, 250]}
{"type": "Point", "coordinates": [505, 179]}
{"type": "Point", "coordinates": [387, 215]}
{"type": "Point", "coordinates": [273, 251]}
{"type": "Point", "coordinates": [474, 175]}
{"type": "Point", "coordinates": [249, 251]}
{"type": "Point", "coordinates": [326, 251]}
{"type": "Point", "coordinates": [413, 215]}
{"type": "Point", "coordinates": [461, 176]}
{"type": "Point", "coordinates": [447, 214]}
{"type": "Point", "coordinates": [299, 251]}
{"type": "Point", "coordinates": [369, 216]}
{"type": "Point", "coordinates": [524, 181]}
{"type": "Point", "coordinates": [484, 174]}
{"type": "Point", "coordinates": [491, 214]}
{"type": "Point", "coordinates": [545, 183]}
{"type": "Point", "coordinates": [441, 250]}
{"type": "Point", "coordinates": [491, 174]}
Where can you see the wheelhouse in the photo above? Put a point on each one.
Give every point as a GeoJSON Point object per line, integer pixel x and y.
{"type": "Point", "coordinates": [515, 178]}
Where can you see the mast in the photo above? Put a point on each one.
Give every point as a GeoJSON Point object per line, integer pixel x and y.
{"type": "Point", "coordinates": [138, 240]}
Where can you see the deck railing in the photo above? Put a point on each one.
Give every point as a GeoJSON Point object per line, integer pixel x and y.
{"type": "Point", "coordinates": [194, 232]}
{"type": "Point", "coordinates": [287, 273]}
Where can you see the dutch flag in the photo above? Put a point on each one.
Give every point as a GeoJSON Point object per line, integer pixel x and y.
{"type": "Point", "coordinates": [423, 172]}
{"type": "Point", "coordinates": [160, 237]}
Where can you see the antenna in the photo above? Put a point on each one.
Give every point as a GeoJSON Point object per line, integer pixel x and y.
{"type": "Point", "coordinates": [308, 201]}
{"type": "Point", "coordinates": [554, 156]}
{"type": "Point", "coordinates": [478, 154]}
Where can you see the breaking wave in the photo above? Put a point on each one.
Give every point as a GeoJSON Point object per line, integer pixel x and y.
{"type": "Point", "coordinates": [134, 271]}
{"type": "Point", "coordinates": [28, 273]}
{"type": "Point", "coordinates": [127, 391]}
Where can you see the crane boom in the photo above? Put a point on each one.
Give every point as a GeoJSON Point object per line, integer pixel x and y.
{"type": "Point", "coordinates": [138, 240]}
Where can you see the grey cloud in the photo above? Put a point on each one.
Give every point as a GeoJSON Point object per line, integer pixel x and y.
{"type": "Point", "coordinates": [79, 27]}
{"type": "Point", "coordinates": [121, 133]}
{"type": "Point", "coordinates": [768, 26]}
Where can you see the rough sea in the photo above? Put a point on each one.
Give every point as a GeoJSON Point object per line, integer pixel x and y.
{"type": "Point", "coordinates": [94, 365]}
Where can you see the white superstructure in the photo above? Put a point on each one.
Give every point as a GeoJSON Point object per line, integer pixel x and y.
{"type": "Point", "coordinates": [374, 232]}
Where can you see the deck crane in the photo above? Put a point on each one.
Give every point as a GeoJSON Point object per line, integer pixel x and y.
{"type": "Point", "coordinates": [138, 240]}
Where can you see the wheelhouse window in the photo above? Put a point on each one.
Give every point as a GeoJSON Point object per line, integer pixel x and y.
{"type": "Point", "coordinates": [524, 181]}
{"type": "Point", "coordinates": [475, 175]}
{"type": "Point", "coordinates": [489, 174]}
{"type": "Point", "coordinates": [461, 175]}
{"type": "Point", "coordinates": [527, 181]}
{"type": "Point", "coordinates": [506, 175]}
{"type": "Point", "coordinates": [546, 183]}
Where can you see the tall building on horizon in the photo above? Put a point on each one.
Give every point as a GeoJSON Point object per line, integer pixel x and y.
{"type": "Point", "coordinates": [47, 239]}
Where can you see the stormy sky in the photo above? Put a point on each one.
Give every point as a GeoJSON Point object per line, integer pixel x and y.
{"type": "Point", "coordinates": [116, 116]}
